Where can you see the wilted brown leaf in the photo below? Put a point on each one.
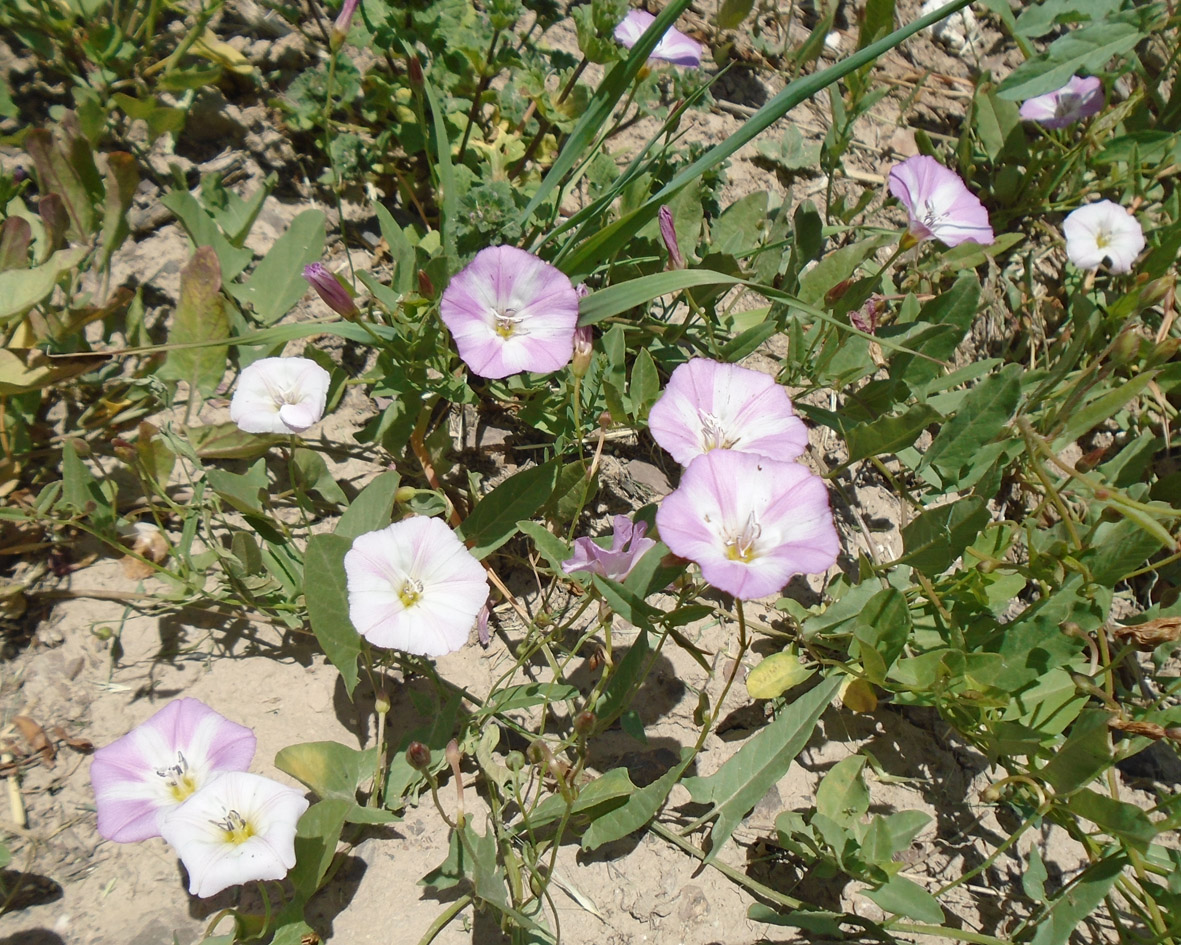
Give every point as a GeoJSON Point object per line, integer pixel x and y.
{"type": "Point", "coordinates": [34, 734]}
{"type": "Point", "coordinates": [1147, 729]}
{"type": "Point", "coordinates": [1152, 633]}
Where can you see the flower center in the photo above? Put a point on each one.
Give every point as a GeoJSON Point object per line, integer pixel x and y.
{"type": "Point", "coordinates": [741, 547]}
{"type": "Point", "coordinates": [1066, 105]}
{"type": "Point", "coordinates": [237, 828]}
{"type": "Point", "coordinates": [507, 321]}
{"type": "Point", "coordinates": [410, 593]}
{"type": "Point", "coordinates": [713, 434]}
{"type": "Point", "coordinates": [931, 216]}
{"type": "Point", "coordinates": [1103, 238]}
{"type": "Point", "coordinates": [179, 779]}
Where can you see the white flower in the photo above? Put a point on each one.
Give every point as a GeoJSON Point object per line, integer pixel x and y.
{"type": "Point", "coordinates": [414, 587]}
{"type": "Point", "coordinates": [1103, 230]}
{"type": "Point", "coordinates": [280, 395]}
{"type": "Point", "coordinates": [240, 827]}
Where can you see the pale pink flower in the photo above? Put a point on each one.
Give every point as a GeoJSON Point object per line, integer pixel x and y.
{"type": "Point", "coordinates": [160, 763]}
{"type": "Point", "coordinates": [938, 203]}
{"type": "Point", "coordinates": [280, 395]}
{"type": "Point", "coordinates": [1100, 231]}
{"type": "Point", "coordinates": [674, 46]}
{"type": "Point", "coordinates": [1080, 98]}
{"type": "Point", "coordinates": [510, 312]}
{"type": "Point", "coordinates": [628, 546]}
{"type": "Point", "coordinates": [239, 828]}
{"type": "Point", "coordinates": [708, 405]}
{"type": "Point", "coordinates": [414, 587]}
{"type": "Point", "coordinates": [749, 523]}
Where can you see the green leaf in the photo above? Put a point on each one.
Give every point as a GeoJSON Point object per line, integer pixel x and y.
{"type": "Point", "coordinates": [401, 251]}
{"type": "Point", "coordinates": [203, 231]}
{"type": "Point", "coordinates": [201, 321]}
{"type": "Point", "coordinates": [889, 434]}
{"type": "Point", "coordinates": [244, 491]}
{"type": "Point", "coordinates": [882, 629]}
{"type": "Point", "coordinates": [733, 12]}
{"type": "Point", "coordinates": [890, 835]}
{"type": "Point", "coordinates": [902, 897]}
{"type": "Point", "coordinates": [329, 769]}
{"type": "Point", "coordinates": [938, 536]}
{"type": "Point", "coordinates": [372, 509]}
{"type": "Point", "coordinates": [61, 171]}
{"type": "Point", "coordinates": [277, 283]}
{"type": "Point", "coordinates": [983, 414]}
{"type": "Point", "coordinates": [735, 788]}
{"type": "Point", "coordinates": [494, 519]}
{"type": "Point", "coordinates": [21, 289]}
{"type": "Point", "coordinates": [1102, 408]}
{"type": "Point", "coordinates": [1085, 753]}
{"type": "Point", "coordinates": [1122, 820]}
{"type": "Point", "coordinates": [1033, 879]}
{"type": "Point", "coordinates": [122, 181]}
{"type": "Point", "coordinates": [645, 385]}
{"type": "Point", "coordinates": [776, 674]}
{"type": "Point", "coordinates": [842, 795]}
{"type": "Point", "coordinates": [316, 837]}
{"type": "Point", "coordinates": [314, 475]}
{"type": "Point", "coordinates": [1079, 900]}
{"type": "Point", "coordinates": [552, 548]}
{"type": "Point", "coordinates": [449, 220]}
{"type": "Point", "coordinates": [1084, 50]}
{"type": "Point", "coordinates": [640, 807]}
{"type": "Point", "coordinates": [328, 605]}
{"type": "Point", "coordinates": [529, 694]}
{"type": "Point", "coordinates": [622, 296]}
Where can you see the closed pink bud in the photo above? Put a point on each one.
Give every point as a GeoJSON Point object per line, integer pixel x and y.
{"type": "Point", "coordinates": [583, 350]}
{"type": "Point", "coordinates": [668, 233]}
{"type": "Point", "coordinates": [329, 288]}
{"type": "Point", "coordinates": [340, 28]}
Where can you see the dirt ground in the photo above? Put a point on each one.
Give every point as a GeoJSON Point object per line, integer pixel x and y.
{"type": "Point", "coordinates": [86, 661]}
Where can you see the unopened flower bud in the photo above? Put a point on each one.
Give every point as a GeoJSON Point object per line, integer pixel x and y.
{"type": "Point", "coordinates": [426, 288]}
{"type": "Point", "coordinates": [583, 350]}
{"type": "Point", "coordinates": [584, 722]}
{"type": "Point", "coordinates": [482, 633]}
{"type": "Point", "coordinates": [340, 28]}
{"type": "Point", "coordinates": [330, 289]}
{"type": "Point", "coordinates": [668, 233]}
{"type": "Point", "coordinates": [1152, 292]}
{"type": "Point", "coordinates": [1126, 347]}
{"type": "Point", "coordinates": [405, 494]}
{"type": "Point", "coordinates": [381, 702]}
{"type": "Point", "coordinates": [514, 761]}
{"type": "Point", "coordinates": [19, 175]}
{"type": "Point", "coordinates": [124, 450]}
{"type": "Point", "coordinates": [418, 756]}
{"type": "Point", "coordinates": [453, 754]}
{"type": "Point", "coordinates": [414, 71]}
{"type": "Point", "coordinates": [837, 292]}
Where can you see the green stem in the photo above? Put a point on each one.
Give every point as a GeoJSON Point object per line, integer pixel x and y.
{"type": "Point", "coordinates": [445, 917]}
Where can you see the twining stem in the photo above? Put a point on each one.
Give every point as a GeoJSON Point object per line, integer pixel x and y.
{"type": "Point", "coordinates": [481, 87]}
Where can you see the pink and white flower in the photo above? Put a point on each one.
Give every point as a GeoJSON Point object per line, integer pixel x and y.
{"type": "Point", "coordinates": [708, 405]}
{"type": "Point", "coordinates": [628, 546]}
{"type": "Point", "coordinates": [1100, 231]}
{"type": "Point", "coordinates": [238, 829]}
{"type": "Point", "coordinates": [749, 523]}
{"type": "Point", "coordinates": [414, 587]}
{"type": "Point", "coordinates": [1078, 99]}
{"type": "Point", "coordinates": [280, 395]}
{"type": "Point", "coordinates": [160, 764]}
{"type": "Point", "coordinates": [674, 46]}
{"type": "Point", "coordinates": [510, 311]}
{"type": "Point", "coordinates": [939, 204]}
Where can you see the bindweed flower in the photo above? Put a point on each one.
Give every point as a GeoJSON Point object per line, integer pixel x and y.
{"type": "Point", "coordinates": [280, 395]}
{"type": "Point", "coordinates": [749, 523]}
{"type": "Point", "coordinates": [239, 828]}
{"type": "Point", "coordinates": [1078, 99]}
{"type": "Point", "coordinates": [938, 203]}
{"type": "Point", "coordinates": [584, 350]}
{"type": "Point", "coordinates": [674, 46]}
{"type": "Point", "coordinates": [628, 546]}
{"type": "Point", "coordinates": [1103, 230]}
{"type": "Point", "coordinates": [414, 587]}
{"type": "Point", "coordinates": [158, 765]}
{"type": "Point", "coordinates": [708, 405]}
{"type": "Point", "coordinates": [510, 312]}
{"type": "Point", "coordinates": [328, 287]}
{"type": "Point", "coordinates": [668, 233]}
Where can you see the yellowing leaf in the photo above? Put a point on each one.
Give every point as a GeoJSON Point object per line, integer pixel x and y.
{"type": "Point", "coordinates": [775, 675]}
{"type": "Point", "coordinates": [858, 696]}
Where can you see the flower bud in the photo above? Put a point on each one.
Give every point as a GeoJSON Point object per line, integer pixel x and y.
{"type": "Point", "coordinates": [405, 494]}
{"type": "Point", "coordinates": [381, 702]}
{"type": "Point", "coordinates": [340, 28]}
{"type": "Point", "coordinates": [514, 761]}
{"type": "Point", "coordinates": [426, 288]}
{"type": "Point", "coordinates": [583, 350]}
{"type": "Point", "coordinates": [482, 633]}
{"type": "Point", "coordinates": [414, 71]}
{"type": "Point", "coordinates": [584, 722]}
{"type": "Point", "coordinates": [668, 233]}
{"type": "Point", "coordinates": [418, 756]}
{"type": "Point", "coordinates": [1126, 347]}
{"type": "Point", "coordinates": [331, 291]}
{"type": "Point", "coordinates": [453, 754]}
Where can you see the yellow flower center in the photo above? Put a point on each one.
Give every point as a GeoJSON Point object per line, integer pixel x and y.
{"type": "Point", "coordinates": [410, 592]}
{"type": "Point", "coordinates": [713, 434]}
{"type": "Point", "coordinates": [741, 547]}
{"type": "Point", "coordinates": [179, 779]}
{"type": "Point", "coordinates": [506, 322]}
{"type": "Point", "coordinates": [237, 828]}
